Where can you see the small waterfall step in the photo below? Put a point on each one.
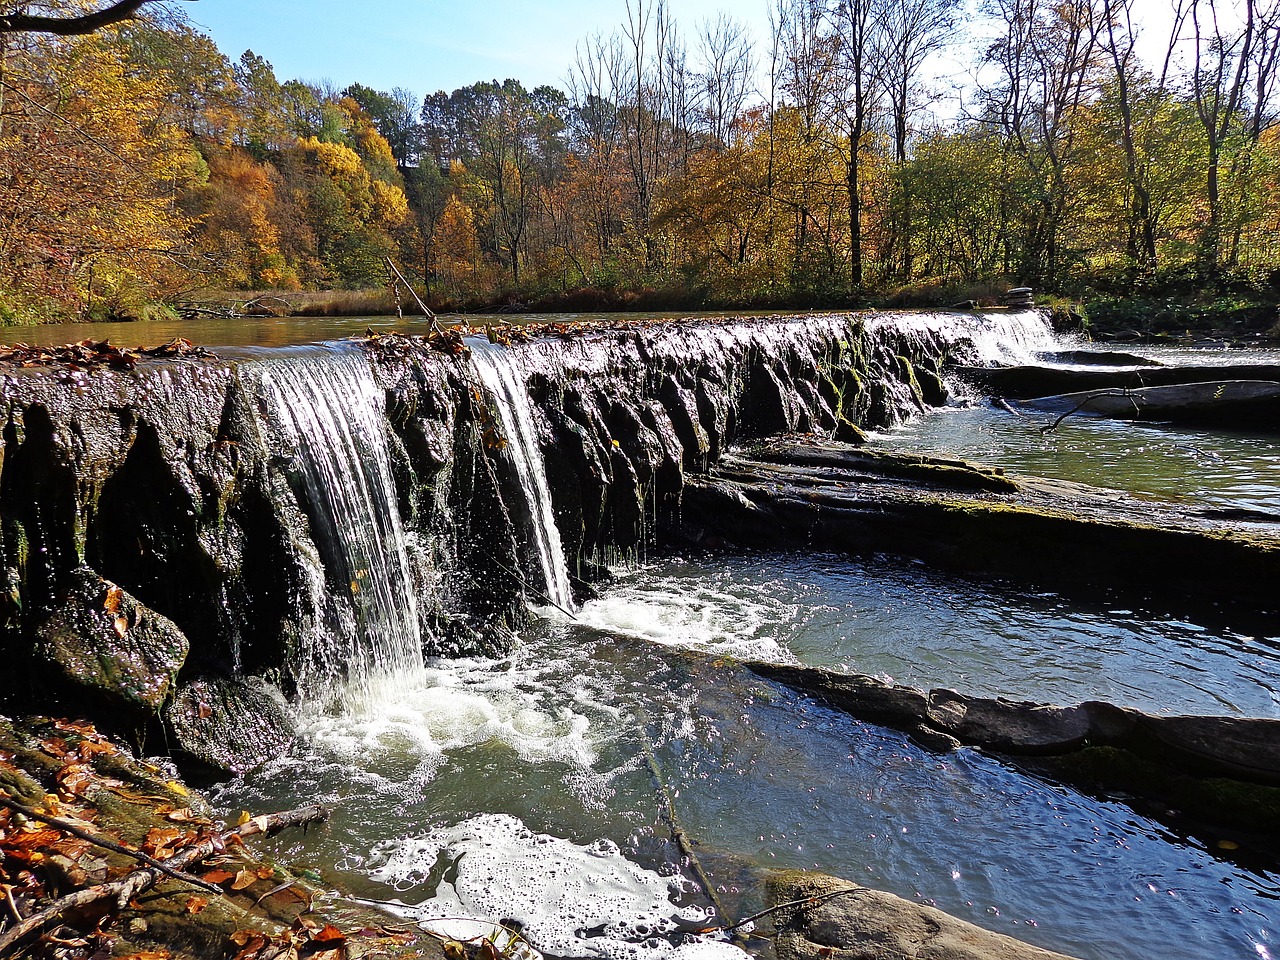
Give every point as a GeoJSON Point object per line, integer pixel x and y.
{"type": "Point", "coordinates": [499, 372]}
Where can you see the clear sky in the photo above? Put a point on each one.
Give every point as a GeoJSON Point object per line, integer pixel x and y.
{"type": "Point", "coordinates": [429, 45]}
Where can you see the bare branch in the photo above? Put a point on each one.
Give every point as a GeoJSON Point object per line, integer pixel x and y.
{"type": "Point", "coordinates": [71, 26]}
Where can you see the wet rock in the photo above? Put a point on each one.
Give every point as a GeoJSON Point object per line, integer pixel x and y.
{"type": "Point", "coordinates": [682, 408]}
{"type": "Point", "coordinates": [102, 640]}
{"type": "Point", "coordinates": [230, 724]}
{"type": "Point", "coordinates": [1007, 726]}
{"type": "Point", "coordinates": [1243, 748]}
{"type": "Point", "coordinates": [1065, 536]}
{"type": "Point", "coordinates": [1027, 382]}
{"type": "Point", "coordinates": [771, 404]}
{"type": "Point", "coordinates": [866, 924]}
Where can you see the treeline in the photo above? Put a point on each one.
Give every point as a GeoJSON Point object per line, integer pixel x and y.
{"type": "Point", "coordinates": [139, 163]}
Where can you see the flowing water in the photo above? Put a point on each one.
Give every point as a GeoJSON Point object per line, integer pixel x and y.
{"type": "Point", "coordinates": [498, 372]}
{"type": "Point", "coordinates": [522, 785]}
{"type": "Point", "coordinates": [327, 413]}
{"type": "Point", "coordinates": [532, 788]}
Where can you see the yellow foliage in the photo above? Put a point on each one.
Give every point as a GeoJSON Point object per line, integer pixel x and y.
{"type": "Point", "coordinates": [89, 173]}
{"type": "Point", "coordinates": [390, 205]}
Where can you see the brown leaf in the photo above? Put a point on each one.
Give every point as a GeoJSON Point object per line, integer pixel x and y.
{"type": "Point", "coordinates": [218, 876]}
{"type": "Point", "coordinates": [112, 603]}
{"type": "Point", "coordinates": [196, 904]}
{"type": "Point", "coordinates": [243, 880]}
{"type": "Point", "coordinates": [121, 624]}
{"type": "Point", "coordinates": [329, 934]}
{"type": "Point", "coordinates": [266, 872]}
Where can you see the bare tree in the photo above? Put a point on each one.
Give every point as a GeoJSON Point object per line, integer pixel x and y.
{"type": "Point", "coordinates": [725, 79]}
{"type": "Point", "coordinates": [910, 33]}
{"type": "Point", "coordinates": [18, 21]}
{"type": "Point", "coordinates": [1118, 38]}
{"type": "Point", "coordinates": [860, 58]}
{"type": "Point", "coordinates": [1224, 58]}
{"type": "Point", "coordinates": [1047, 62]}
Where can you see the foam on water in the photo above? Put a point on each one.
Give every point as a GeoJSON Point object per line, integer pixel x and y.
{"type": "Point", "coordinates": [463, 704]}
{"type": "Point", "coordinates": [570, 900]}
{"type": "Point", "coordinates": [698, 615]}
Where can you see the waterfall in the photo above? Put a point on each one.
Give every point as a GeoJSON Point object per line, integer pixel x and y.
{"type": "Point", "coordinates": [496, 370]}
{"type": "Point", "coordinates": [327, 414]}
{"type": "Point", "coordinates": [980, 339]}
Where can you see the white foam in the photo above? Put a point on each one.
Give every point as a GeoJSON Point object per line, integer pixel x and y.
{"type": "Point", "coordinates": [448, 708]}
{"type": "Point", "coordinates": [568, 899]}
{"type": "Point", "coordinates": [696, 616]}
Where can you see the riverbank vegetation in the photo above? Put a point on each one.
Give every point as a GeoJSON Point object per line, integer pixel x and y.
{"type": "Point", "coordinates": [680, 166]}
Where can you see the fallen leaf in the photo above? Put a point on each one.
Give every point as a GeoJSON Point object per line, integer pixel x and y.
{"type": "Point", "coordinates": [217, 876]}
{"type": "Point", "coordinates": [243, 880]}
{"type": "Point", "coordinates": [329, 934]}
{"type": "Point", "coordinates": [196, 904]}
{"type": "Point", "coordinates": [112, 603]}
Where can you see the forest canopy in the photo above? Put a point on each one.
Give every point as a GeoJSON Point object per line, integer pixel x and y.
{"type": "Point", "coordinates": [138, 162]}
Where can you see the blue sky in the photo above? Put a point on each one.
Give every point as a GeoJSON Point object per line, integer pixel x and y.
{"type": "Point", "coordinates": [432, 45]}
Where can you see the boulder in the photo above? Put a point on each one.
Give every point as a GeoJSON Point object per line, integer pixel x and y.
{"type": "Point", "coordinates": [866, 924]}
{"type": "Point", "coordinates": [104, 641]}
{"type": "Point", "coordinates": [230, 724]}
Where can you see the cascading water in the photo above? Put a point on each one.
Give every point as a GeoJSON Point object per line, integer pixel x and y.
{"type": "Point", "coordinates": [494, 782]}
{"type": "Point", "coordinates": [983, 339]}
{"type": "Point", "coordinates": [497, 372]}
{"type": "Point", "coordinates": [327, 412]}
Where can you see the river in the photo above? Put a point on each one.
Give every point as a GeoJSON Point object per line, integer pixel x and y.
{"type": "Point", "coordinates": [542, 788]}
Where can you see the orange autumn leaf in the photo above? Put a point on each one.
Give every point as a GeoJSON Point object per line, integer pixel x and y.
{"type": "Point", "coordinates": [195, 904]}
{"type": "Point", "coordinates": [329, 934]}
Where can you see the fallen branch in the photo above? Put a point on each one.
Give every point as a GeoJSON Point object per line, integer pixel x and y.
{"type": "Point", "coordinates": [67, 826]}
{"type": "Point", "coordinates": [805, 902]}
{"type": "Point", "coordinates": [426, 311]}
{"type": "Point", "coordinates": [678, 835]}
{"type": "Point", "coordinates": [128, 887]}
{"type": "Point", "coordinates": [1081, 405]}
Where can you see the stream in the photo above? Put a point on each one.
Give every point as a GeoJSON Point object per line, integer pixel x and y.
{"type": "Point", "coordinates": [544, 789]}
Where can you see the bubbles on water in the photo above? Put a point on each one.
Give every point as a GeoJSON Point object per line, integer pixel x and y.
{"type": "Point", "coordinates": [571, 900]}
{"type": "Point", "coordinates": [469, 702]}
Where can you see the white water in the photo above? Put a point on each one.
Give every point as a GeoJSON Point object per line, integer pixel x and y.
{"type": "Point", "coordinates": [327, 412]}
{"type": "Point", "coordinates": [496, 370]}
{"type": "Point", "coordinates": [986, 339]}
{"type": "Point", "coordinates": [570, 900]}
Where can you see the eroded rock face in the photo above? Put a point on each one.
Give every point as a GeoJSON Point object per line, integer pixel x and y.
{"type": "Point", "coordinates": [850, 922]}
{"type": "Point", "coordinates": [104, 641]}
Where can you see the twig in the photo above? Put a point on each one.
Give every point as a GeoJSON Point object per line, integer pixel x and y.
{"type": "Point", "coordinates": [806, 901]}
{"type": "Point", "coordinates": [12, 904]}
{"type": "Point", "coordinates": [67, 827]}
{"type": "Point", "coordinates": [426, 311]}
{"type": "Point", "coordinates": [673, 822]}
{"type": "Point", "coordinates": [128, 887]}
{"type": "Point", "coordinates": [1081, 405]}
{"type": "Point", "coordinates": [532, 589]}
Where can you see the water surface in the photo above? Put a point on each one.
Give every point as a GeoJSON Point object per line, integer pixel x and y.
{"type": "Point", "coordinates": [563, 748]}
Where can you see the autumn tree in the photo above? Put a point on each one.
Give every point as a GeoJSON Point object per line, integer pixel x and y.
{"type": "Point", "coordinates": [89, 168]}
